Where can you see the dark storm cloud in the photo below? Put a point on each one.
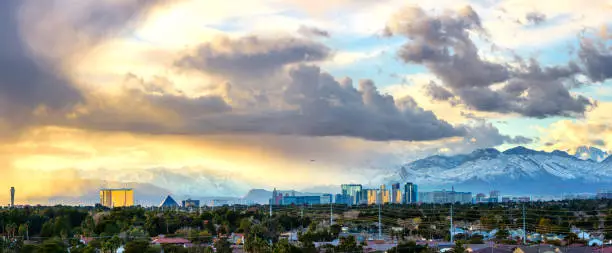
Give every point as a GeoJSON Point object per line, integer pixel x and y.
{"type": "Point", "coordinates": [535, 17]}
{"type": "Point", "coordinates": [30, 79]}
{"type": "Point", "coordinates": [252, 56]}
{"type": "Point", "coordinates": [438, 92]}
{"type": "Point", "coordinates": [312, 103]}
{"type": "Point", "coordinates": [321, 106]}
{"type": "Point", "coordinates": [485, 134]}
{"type": "Point", "coordinates": [597, 60]}
{"type": "Point", "coordinates": [443, 44]}
{"type": "Point", "coordinates": [25, 81]}
{"type": "Point", "coordinates": [312, 32]}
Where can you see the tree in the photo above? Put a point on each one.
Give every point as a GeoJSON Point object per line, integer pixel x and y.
{"type": "Point", "coordinates": [256, 245]}
{"type": "Point", "coordinates": [458, 248]}
{"type": "Point", "coordinates": [408, 247]}
{"type": "Point", "coordinates": [283, 246]}
{"type": "Point", "coordinates": [502, 234]}
{"type": "Point", "coordinates": [171, 248]}
{"type": "Point", "coordinates": [112, 244]}
{"type": "Point", "coordinates": [335, 230]}
{"type": "Point", "coordinates": [544, 226]}
{"type": "Point", "coordinates": [349, 244]}
{"type": "Point", "coordinates": [572, 238]}
{"type": "Point", "coordinates": [23, 230]}
{"type": "Point", "coordinates": [138, 246]}
{"type": "Point", "coordinates": [223, 246]}
{"type": "Point", "coordinates": [53, 246]}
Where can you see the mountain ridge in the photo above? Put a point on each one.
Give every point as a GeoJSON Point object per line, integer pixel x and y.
{"type": "Point", "coordinates": [516, 170]}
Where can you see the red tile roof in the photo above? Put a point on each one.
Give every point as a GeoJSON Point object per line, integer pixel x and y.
{"type": "Point", "coordinates": [166, 240]}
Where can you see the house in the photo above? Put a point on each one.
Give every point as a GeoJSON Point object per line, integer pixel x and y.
{"type": "Point", "coordinates": [85, 240]}
{"type": "Point", "coordinates": [321, 244]}
{"type": "Point", "coordinates": [290, 236]}
{"type": "Point", "coordinates": [170, 240]}
{"type": "Point", "coordinates": [359, 237]}
{"type": "Point", "coordinates": [236, 238]}
{"type": "Point", "coordinates": [379, 245]}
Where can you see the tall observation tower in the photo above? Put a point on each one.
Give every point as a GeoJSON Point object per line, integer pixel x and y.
{"type": "Point", "coordinates": [12, 196]}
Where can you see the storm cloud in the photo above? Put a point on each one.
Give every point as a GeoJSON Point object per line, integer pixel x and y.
{"type": "Point", "coordinates": [597, 60]}
{"type": "Point", "coordinates": [33, 57]}
{"type": "Point", "coordinates": [25, 81]}
{"type": "Point", "coordinates": [309, 31]}
{"type": "Point", "coordinates": [251, 56]}
{"type": "Point", "coordinates": [443, 43]}
{"type": "Point", "coordinates": [535, 17]}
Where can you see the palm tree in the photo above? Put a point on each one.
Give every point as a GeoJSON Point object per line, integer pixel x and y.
{"type": "Point", "coordinates": [571, 238]}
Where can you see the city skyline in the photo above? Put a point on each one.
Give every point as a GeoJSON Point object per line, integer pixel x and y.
{"type": "Point", "coordinates": [199, 98]}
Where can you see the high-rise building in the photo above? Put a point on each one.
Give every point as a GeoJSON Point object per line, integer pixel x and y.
{"type": "Point", "coordinates": [396, 194]}
{"type": "Point", "coordinates": [369, 196]}
{"type": "Point", "coordinates": [12, 196]}
{"type": "Point", "coordinates": [277, 197]}
{"type": "Point", "coordinates": [494, 197]}
{"type": "Point", "coordinates": [353, 191]}
{"type": "Point", "coordinates": [123, 197]}
{"type": "Point", "coordinates": [480, 198]}
{"type": "Point", "coordinates": [410, 193]}
{"type": "Point", "coordinates": [301, 200]}
{"type": "Point", "coordinates": [385, 196]}
{"type": "Point", "coordinates": [440, 197]}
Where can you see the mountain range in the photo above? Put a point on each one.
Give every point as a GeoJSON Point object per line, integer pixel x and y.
{"type": "Point", "coordinates": [515, 171]}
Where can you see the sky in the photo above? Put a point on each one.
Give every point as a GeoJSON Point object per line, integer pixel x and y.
{"type": "Point", "coordinates": [213, 98]}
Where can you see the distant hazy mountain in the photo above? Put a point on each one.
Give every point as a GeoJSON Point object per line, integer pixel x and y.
{"type": "Point", "coordinates": [592, 153]}
{"type": "Point", "coordinates": [515, 171]}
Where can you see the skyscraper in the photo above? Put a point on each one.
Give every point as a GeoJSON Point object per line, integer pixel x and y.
{"type": "Point", "coordinates": [396, 194]}
{"type": "Point", "coordinates": [494, 196]}
{"type": "Point", "coordinates": [352, 191]}
{"type": "Point", "coordinates": [12, 196]}
{"type": "Point", "coordinates": [410, 193]}
{"type": "Point", "coordinates": [371, 196]}
{"type": "Point", "coordinates": [385, 196]}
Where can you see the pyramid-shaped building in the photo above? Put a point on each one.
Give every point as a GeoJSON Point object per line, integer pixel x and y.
{"type": "Point", "coordinates": [168, 202]}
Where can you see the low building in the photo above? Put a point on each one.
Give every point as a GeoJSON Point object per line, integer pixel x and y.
{"type": "Point", "coordinates": [122, 197]}
{"type": "Point", "coordinates": [190, 203]}
{"type": "Point", "coordinates": [379, 245]}
{"type": "Point", "coordinates": [326, 199]}
{"type": "Point", "coordinates": [170, 240]}
{"type": "Point", "coordinates": [301, 200]}
{"type": "Point", "coordinates": [168, 202]}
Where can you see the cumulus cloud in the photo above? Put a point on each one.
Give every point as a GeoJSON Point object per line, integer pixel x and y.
{"type": "Point", "coordinates": [594, 130]}
{"type": "Point", "coordinates": [443, 43]}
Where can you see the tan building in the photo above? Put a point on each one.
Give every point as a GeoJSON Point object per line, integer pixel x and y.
{"type": "Point", "coordinates": [397, 196]}
{"type": "Point", "coordinates": [117, 197]}
{"type": "Point", "coordinates": [385, 195]}
{"type": "Point", "coordinates": [372, 196]}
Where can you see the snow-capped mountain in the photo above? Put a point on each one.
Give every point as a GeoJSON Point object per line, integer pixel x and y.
{"type": "Point", "coordinates": [595, 154]}
{"type": "Point", "coordinates": [515, 171]}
